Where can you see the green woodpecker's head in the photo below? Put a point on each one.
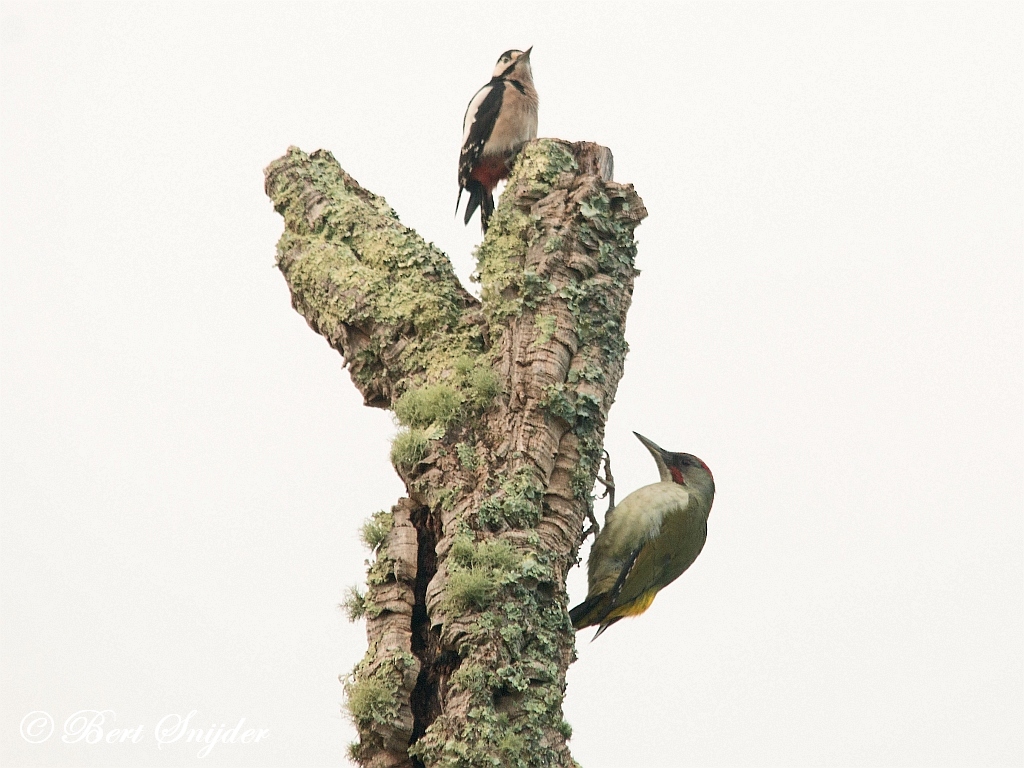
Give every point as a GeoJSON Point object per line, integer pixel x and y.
{"type": "Point", "coordinates": [682, 468]}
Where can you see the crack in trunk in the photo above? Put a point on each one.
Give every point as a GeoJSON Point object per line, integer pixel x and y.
{"type": "Point", "coordinates": [437, 665]}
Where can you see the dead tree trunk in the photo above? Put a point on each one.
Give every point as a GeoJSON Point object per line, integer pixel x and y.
{"type": "Point", "coordinates": [503, 403]}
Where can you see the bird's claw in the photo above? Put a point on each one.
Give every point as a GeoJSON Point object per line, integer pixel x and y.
{"type": "Point", "coordinates": [609, 493]}
{"type": "Point", "coordinates": [607, 481]}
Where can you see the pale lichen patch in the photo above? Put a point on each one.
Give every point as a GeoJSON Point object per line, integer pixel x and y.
{"type": "Point", "coordinates": [502, 406]}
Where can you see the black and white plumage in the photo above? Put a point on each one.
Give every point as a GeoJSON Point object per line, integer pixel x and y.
{"type": "Point", "coordinates": [500, 119]}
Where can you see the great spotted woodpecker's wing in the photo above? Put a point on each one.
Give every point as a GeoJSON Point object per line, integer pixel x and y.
{"type": "Point", "coordinates": [481, 115]}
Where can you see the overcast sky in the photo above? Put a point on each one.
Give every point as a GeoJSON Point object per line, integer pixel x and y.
{"type": "Point", "coordinates": [830, 314]}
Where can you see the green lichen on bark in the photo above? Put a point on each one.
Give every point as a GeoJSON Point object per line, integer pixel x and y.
{"type": "Point", "coordinates": [354, 603]}
{"type": "Point", "coordinates": [372, 691]}
{"type": "Point", "coordinates": [477, 571]}
{"type": "Point", "coordinates": [469, 387]}
{"type": "Point", "coordinates": [375, 529]}
{"type": "Point", "coordinates": [468, 457]}
{"type": "Point", "coordinates": [510, 681]}
{"type": "Point", "coordinates": [482, 384]}
{"type": "Point", "coordinates": [367, 283]}
{"type": "Point", "coordinates": [501, 405]}
{"type": "Point", "coordinates": [372, 699]}
{"type": "Point", "coordinates": [433, 404]}
{"type": "Point", "coordinates": [505, 286]}
{"type": "Point", "coordinates": [515, 504]}
{"type": "Point", "coordinates": [543, 285]}
{"type": "Point", "coordinates": [409, 446]}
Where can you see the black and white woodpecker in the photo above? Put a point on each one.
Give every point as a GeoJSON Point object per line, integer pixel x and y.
{"type": "Point", "coordinates": [649, 539]}
{"type": "Point", "coordinates": [500, 119]}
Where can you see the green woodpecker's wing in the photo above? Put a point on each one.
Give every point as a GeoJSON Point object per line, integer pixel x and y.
{"type": "Point", "coordinates": [664, 559]}
{"type": "Point", "coordinates": [604, 613]}
{"type": "Point", "coordinates": [637, 519]}
{"type": "Point", "coordinates": [632, 557]}
{"type": "Point", "coordinates": [595, 608]}
{"type": "Point", "coordinates": [627, 569]}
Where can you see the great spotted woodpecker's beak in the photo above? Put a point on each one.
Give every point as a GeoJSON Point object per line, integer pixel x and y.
{"type": "Point", "coordinates": [526, 53]}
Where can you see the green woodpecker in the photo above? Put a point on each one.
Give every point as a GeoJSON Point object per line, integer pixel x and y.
{"type": "Point", "coordinates": [649, 539]}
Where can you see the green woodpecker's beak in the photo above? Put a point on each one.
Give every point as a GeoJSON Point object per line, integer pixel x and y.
{"type": "Point", "coordinates": [649, 444]}
{"type": "Point", "coordinates": [658, 454]}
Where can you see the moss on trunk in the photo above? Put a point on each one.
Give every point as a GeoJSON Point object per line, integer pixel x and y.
{"type": "Point", "coordinates": [503, 403]}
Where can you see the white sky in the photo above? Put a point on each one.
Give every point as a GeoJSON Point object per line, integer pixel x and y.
{"type": "Point", "coordinates": [830, 315]}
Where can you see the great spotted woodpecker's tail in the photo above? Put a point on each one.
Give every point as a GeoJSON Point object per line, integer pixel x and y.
{"type": "Point", "coordinates": [486, 209]}
{"type": "Point", "coordinates": [480, 198]}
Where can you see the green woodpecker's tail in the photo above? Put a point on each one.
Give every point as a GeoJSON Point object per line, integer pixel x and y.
{"type": "Point", "coordinates": [601, 609]}
{"type": "Point", "coordinates": [590, 612]}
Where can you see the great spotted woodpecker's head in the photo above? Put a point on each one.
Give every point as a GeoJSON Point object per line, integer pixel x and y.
{"type": "Point", "coordinates": [514, 65]}
{"type": "Point", "coordinates": [682, 468]}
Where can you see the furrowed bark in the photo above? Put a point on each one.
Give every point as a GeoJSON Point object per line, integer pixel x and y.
{"type": "Point", "coordinates": [503, 403]}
